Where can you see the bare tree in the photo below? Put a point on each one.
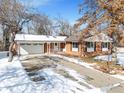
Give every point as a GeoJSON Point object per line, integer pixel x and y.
{"type": "Point", "coordinates": [64, 27]}
{"type": "Point", "coordinates": [42, 24]}
{"type": "Point", "coordinates": [13, 16]}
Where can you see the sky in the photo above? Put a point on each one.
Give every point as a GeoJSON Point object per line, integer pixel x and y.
{"type": "Point", "coordinates": [66, 9]}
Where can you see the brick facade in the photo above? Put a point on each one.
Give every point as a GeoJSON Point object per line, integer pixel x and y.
{"type": "Point", "coordinates": [82, 49]}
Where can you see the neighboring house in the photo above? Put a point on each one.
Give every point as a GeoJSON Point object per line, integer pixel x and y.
{"type": "Point", "coordinates": [95, 45]}
{"type": "Point", "coordinates": [39, 44]}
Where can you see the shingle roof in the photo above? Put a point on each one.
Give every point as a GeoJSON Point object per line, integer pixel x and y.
{"type": "Point", "coordinates": [101, 37]}
{"type": "Point", "coordinates": [73, 38]}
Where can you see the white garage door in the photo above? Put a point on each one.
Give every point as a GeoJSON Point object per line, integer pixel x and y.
{"type": "Point", "coordinates": [32, 48]}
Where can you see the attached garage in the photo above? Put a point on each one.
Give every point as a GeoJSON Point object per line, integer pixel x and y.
{"type": "Point", "coordinates": [31, 48]}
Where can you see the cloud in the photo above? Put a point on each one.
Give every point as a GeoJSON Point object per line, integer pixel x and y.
{"type": "Point", "coordinates": [35, 3]}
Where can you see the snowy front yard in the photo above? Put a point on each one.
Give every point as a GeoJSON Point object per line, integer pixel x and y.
{"type": "Point", "coordinates": [43, 75]}
{"type": "Point", "coordinates": [13, 78]}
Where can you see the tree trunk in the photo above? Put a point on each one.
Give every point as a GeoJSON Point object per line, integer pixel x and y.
{"type": "Point", "coordinates": [12, 42]}
{"type": "Point", "coordinates": [11, 54]}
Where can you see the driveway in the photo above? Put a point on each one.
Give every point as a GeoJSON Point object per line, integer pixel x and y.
{"type": "Point", "coordinates": [95, 78]}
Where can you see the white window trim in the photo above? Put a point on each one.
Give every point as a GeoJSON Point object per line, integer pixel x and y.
{"type": "Point", "coordinates": [73, 48]}
{"type": "Point", "coordinates": [64, 50]}
{"type": "Point", "coordinates": [105, 48]}
{"type": "Point", "coordinates": [91, 49]}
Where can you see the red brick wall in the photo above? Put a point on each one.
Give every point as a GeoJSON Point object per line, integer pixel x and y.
{"type": "Point", "coordinates": [82, 49]}
{"type": "Point", "coordinates": [69, 51]}
{"type": "Point", "coordinates": [98, 50]}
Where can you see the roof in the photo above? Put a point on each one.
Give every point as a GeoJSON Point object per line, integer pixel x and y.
{"type": "Point", "coordinates": [73, 39]}
{"type": "Point", "coordinates": [101, 37]}
{"type": "Point", "coordinates": [39, 38]}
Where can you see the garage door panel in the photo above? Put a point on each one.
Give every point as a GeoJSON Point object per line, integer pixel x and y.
{"type": "Point", "coordinates": [33, 49]}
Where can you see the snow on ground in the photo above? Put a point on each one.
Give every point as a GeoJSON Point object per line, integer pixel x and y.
{"type": "Point", "coordinates": [118, 76]}
{"type": "Point", "coordinates": [120, 58]}
{"type": "Point", "coordinates": [104, 57]}
{"type": "Point", "coordinates": [13, 79]}
{"type": "Point", "coordinates": [56, 83]}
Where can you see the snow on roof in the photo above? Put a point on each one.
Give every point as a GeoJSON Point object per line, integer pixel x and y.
{"type": "Point", "coordinates": [39, 38]}
{"type": "Point", "coordinates": [101, 37]}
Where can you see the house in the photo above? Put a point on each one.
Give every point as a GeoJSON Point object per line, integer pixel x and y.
{"type": "Point", "coordinates": [98, 44]}
{"type": "Point", "coordinates": [39, 44]}
{"type": "Point", "coordinates": [95, 45]}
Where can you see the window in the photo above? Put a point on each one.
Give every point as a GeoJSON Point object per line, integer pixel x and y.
{"type": "Point", "coordinates": [90, 45]}
{"type": "Point", "coordinates": [55, 44]}
{"type": "Point", "coordinates": [40, 44]}
{"type": "Point", "coordinates": [35, 44]}
{"type": "Point", "coordinates": [22, 44]}
{"type": "Point", "coordinates": [25, 44]}
{"type": "Point", "coordinates": [104, 45]}
{"type": "Point", "coordinates": [74, 45]}
{"type": "Point", "coordinates": [28, 44]}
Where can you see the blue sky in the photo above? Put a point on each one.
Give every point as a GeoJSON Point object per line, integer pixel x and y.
{"type": "Point", "coordinates": [67, 9]}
